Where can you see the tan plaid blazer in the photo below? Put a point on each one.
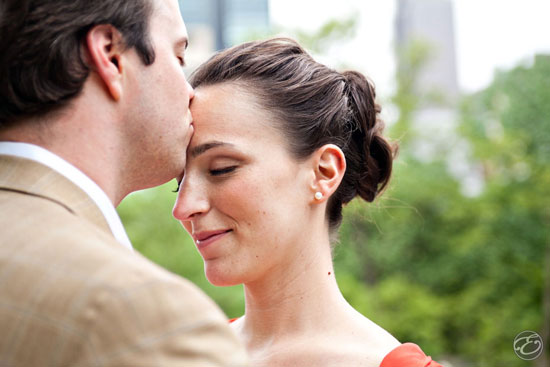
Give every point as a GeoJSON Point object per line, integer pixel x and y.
{"type": "Point", "coordinates": [70, 295]}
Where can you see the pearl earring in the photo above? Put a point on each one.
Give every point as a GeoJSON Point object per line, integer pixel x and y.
{"type": "Point", "coordinates": [318, 195]}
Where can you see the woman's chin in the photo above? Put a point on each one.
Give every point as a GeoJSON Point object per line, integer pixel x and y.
{"type": "Point", "coordinates": [222, 282]}
{"type": "Point", "coordinates": [222, 279]}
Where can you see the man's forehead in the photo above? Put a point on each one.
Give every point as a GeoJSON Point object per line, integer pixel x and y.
{"type": "Point", "coordinates": [166, 22]}
{"type": "Point", "coordinates": [167, 11]}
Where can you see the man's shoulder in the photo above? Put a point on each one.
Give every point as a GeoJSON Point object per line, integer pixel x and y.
{"type": "Point", "coordinates": [39, 224]}
{"type": "Point", "coordinates": [47, 236]}
{"type": "Point", "coordinates": [70, 291]}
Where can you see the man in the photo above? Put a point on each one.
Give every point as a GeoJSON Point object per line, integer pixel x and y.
{"type": "Point", "coordinates": [93, 105]}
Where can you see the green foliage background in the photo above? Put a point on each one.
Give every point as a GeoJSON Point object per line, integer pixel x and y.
{"type": "Point", "coordinates": [460, 276]}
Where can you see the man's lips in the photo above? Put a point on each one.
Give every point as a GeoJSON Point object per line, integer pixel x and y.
{"type": "Point", "coordinates": [206, 237]}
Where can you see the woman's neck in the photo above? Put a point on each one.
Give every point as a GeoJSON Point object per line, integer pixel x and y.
{"type": "Point", "coordinates": [298, 298]}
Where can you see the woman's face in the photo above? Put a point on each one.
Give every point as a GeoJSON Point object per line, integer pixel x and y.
{"type": "Point", "coordinates": [244, 198]}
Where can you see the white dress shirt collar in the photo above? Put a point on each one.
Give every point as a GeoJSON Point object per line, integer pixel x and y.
{"type": "Point", "coordinates": [76, 176]}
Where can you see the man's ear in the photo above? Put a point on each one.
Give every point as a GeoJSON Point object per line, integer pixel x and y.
{"type": "Point", "coordinates": [105, 45]}
{"type": "Point", "coordinates": [329, 167]}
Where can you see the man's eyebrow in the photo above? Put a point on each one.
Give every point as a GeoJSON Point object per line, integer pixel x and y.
{"type": "Point", "coordinates": [200, 149]}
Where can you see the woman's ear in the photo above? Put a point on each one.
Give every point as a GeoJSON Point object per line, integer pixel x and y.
{"type": "Point", "coordinates": [329, 167]}
{"type": "Point", "coordinates": [105, 48]}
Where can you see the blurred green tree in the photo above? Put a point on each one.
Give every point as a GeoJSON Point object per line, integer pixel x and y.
{"type": "Point", "coordinates": [508, 126]}
{"type": "Point", "coordinates": [476, 262]}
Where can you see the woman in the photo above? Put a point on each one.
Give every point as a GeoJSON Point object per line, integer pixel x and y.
{"type": "Point", "coordinates": [281, 143]}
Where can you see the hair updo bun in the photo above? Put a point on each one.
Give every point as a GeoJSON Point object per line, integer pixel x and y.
{"type": "Point", "coordinates": [369, 153]}
{"type": "Point", "coordinates": [315, 105]}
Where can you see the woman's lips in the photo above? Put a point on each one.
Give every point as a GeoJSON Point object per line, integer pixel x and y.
{"type": "Point", "coordinates": [203, 239]}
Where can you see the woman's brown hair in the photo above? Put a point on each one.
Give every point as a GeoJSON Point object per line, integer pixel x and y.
{"type": "Point", "coordinates": [316, 106]}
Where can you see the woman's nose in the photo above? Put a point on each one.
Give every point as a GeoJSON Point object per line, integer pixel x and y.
{"type": "Point", "coordinates": [191, 201]}
{"type": "Point", "coordinates": [191, 91]}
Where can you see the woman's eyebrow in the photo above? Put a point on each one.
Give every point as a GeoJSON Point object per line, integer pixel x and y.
{"type": "Point", "coordinates": [200, 149]}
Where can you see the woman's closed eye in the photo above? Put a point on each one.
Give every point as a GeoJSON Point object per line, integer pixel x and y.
{"type": "Point", "coordinates": [222, 171]}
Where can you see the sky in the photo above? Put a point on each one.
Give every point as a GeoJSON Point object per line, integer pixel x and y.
{"type": "Point", "coordinates": [489, 35]}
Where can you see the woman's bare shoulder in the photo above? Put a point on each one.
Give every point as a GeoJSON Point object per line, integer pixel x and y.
{"type": "Point", "coordinates": [362, 337]}
{"type": "Point", "coordinates": [335, 351]}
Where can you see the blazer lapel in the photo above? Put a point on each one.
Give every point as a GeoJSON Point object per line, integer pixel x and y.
{"type": "Point", "coordinates": [32, 178]}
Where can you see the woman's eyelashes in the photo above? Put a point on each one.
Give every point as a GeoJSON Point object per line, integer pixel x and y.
{"type": "Point", "coordinates": [222, 171]}
{"type": "Point", "coordinates": [213, 172]}
{"type": "Point", "coordinates": [181, 61]}
{"type": "Point", "coordinates": [178, 188]}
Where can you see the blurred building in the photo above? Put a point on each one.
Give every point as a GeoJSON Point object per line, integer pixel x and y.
{"type": "Point", "coordinates": [430, 23]}
{"type": "Point", "coordinates": [217, 24]}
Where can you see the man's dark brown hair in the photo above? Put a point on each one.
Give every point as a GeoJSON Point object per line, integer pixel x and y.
{"type": "Point", "coordinates": [41, 49]}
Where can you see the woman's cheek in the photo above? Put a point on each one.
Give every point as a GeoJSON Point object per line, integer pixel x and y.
{"type": "Point", "coordinates": [243, 194]}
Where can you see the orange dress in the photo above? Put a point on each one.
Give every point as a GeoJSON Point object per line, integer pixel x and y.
{"type": "Point", "coordinates": [405, 355]}
{"type": "Point", "coordinates": [408, 355]}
